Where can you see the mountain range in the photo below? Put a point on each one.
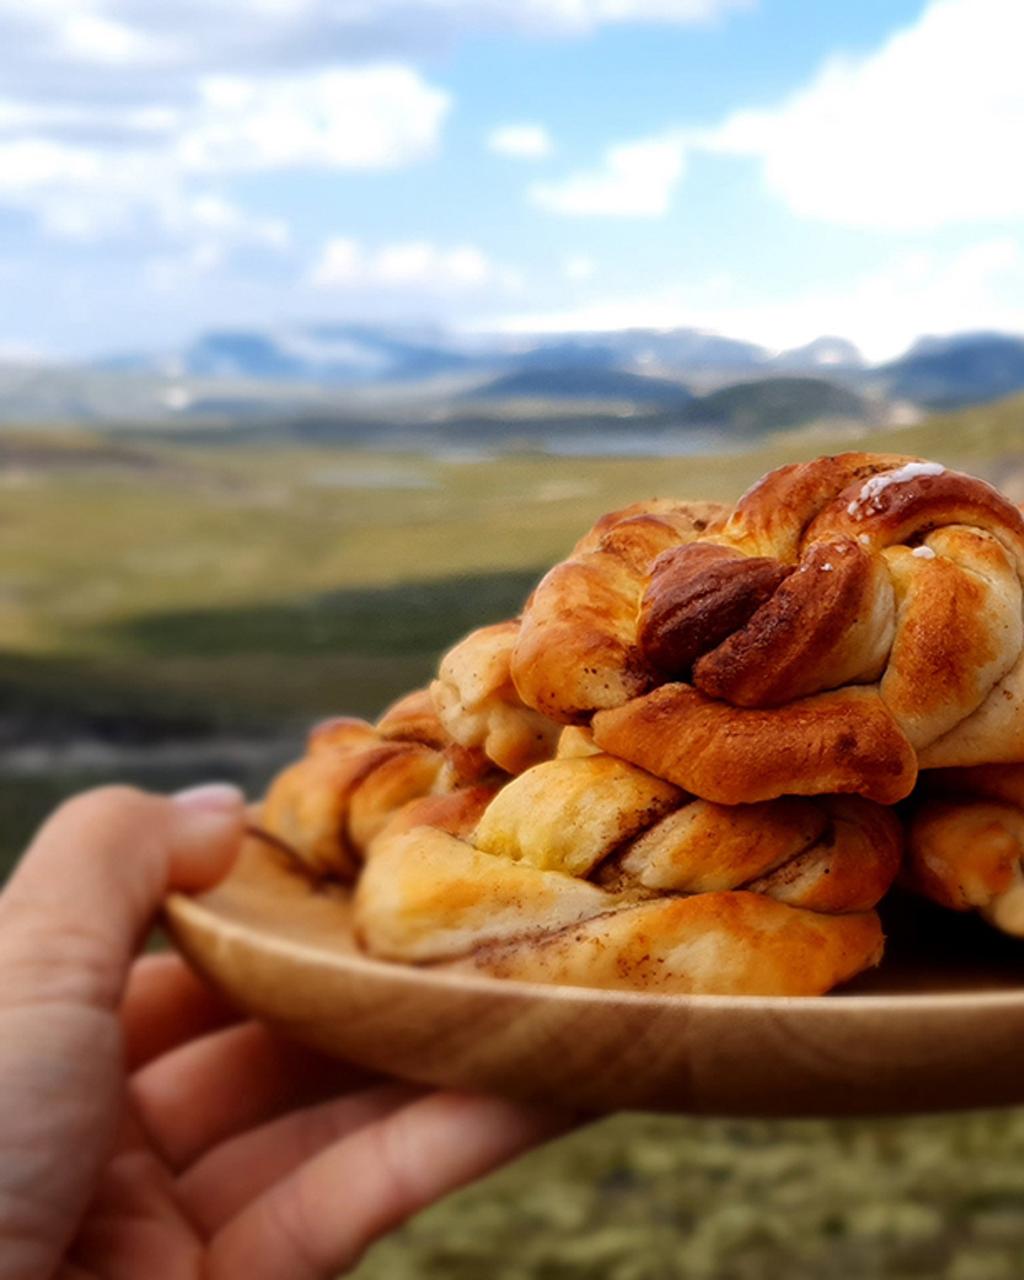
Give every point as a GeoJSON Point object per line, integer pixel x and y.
{"type": "Point", "coordinates": [360, 354]}
{"type": "Point", "coordinates": [966, 369]}
{"type": "Point", "coordinates": [425, 373]}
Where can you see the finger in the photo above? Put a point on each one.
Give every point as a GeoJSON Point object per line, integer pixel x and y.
{"type": "Point", "coordinates": [317, 1222]}
{"type": "Point", "coordinates": [166, 1004]}
{"type": "Point", "coordinates": [134, 1227]}
{"type": "Point", "coordinates": [205, 1092]}
{"type": "Point", "coordinates": [88, 886]}
{"type": "Point", "coordinates": [227, 1178]}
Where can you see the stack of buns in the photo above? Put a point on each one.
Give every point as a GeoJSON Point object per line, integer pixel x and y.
{"type": "Point", "coordinates": [707, 748]}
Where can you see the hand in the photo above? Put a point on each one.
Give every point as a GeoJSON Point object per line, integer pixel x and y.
{"type": "Point", "coordinates": [145, 1129]}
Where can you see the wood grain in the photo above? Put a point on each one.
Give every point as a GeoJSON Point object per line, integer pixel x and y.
{"type": "Point", "coordinates": [939, 1026]}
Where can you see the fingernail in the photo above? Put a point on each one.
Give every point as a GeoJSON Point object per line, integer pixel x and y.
{"type": "Point", "coordinates": [211, 797]}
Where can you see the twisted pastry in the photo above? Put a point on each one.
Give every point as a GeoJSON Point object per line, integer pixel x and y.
{"type": "Point", "coordinates": [478, 706]}
{"type": "Point", "coordinates": [965, 842]}
{"type": "Point", "coordinates": [445, 747]}
{"type": "Point", "coordinates": [576, 650]}
{"type": "Point", "coordinates": [590, 871]}
{"type": "Point", "coordinates": [854, 619]}
{"type": "Point", "coordinates": [328, 807]}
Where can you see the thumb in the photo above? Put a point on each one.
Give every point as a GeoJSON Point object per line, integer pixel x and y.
{"type": "Point", "coordinates": [78, 905]}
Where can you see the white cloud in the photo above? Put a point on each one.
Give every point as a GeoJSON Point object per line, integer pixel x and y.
{"type": "Point", "coordinates": [920, 134]}
{"type": "Point", "coordinates": [85, 194]}
{"type": "Point", "coordinates": [21, 119]}
{"type": "Point", "coordinates": [157, 179]}
{"type": "Point", "coordinates": [578, 266]}
{"type": "Point", "coordinates": [184, 38]}
{"type": "Point", "coordinates": [636, 180]}
{"type": "Point", "coordinates": [525, 141]}
{"type": "Point", "coordinates": [115, 114]}
{"type": "Point", "coordinates": [562, 17]}
{"type": "Point", "coordinates": [94, 38]}
{"type": "Point", "coordinates": [414, 265]}
{"type": "Point", "coordinates": [218, 220]}
{"type": "Point", "coordinates": [372, 117]}
{"type": "Point", "coordinates": [980, 286]}
{"type": "Point", "coordinates": [376, 117]}
{"type": "Point", "coordinates": [915, 136]}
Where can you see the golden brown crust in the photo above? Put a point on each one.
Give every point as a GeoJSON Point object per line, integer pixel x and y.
{"type": "Point", "coordinates": [706, 514]}
{"type": "Point", "coordinates": [456, 813]}
{"type": "Point", "coordinates": [427, 896]}
{"type": "Point", "coordinates": [576, 740]}
{"type": "Point", "coordinates": [567, 814]}
{"type": "Point", "coordinates": [703, 847]}
{"type": "Point", "coordinates": [355, 779]}
{"type": "Point", "coordinates": [329, 807]}
{"type": "Point", "coordinates": [939, 622]}
{"type": "Point", "coordinates": [713, 944]}
{"type": "Point", "coordinates": [845, 741]}
{"type": "Point", "coordinates": [773, 516]}
{"type": "Point", "coordinates": [966, 842]}
{"type": "Point", "coordinates": [906, 502]}
{"type": "Point", "coordinates": [854, 618]}
{"type": "Point", "coordinates": [994, 734]}
{"type": "Point", "coordinates": [577, 648]}
{"type": "Point", "coordinates": [413, 718]}
{"type": "Point", "coordinates": [698, 595]}
{"type": "Point", "coordinates": [640, 887]}
{"type": "Point", "coordinates": [310, 806]}
{"type": "Point", "coordinates": [479, 708]}
{"type": "Point", "coordinates": [850, 868]}
{"type": "Point", "coordinates": [828, 624]}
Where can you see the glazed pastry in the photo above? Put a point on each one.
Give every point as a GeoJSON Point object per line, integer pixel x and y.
{"type": "Point", "coordinates": [577, 647]}
{"type": "Point", "coordinates": [328, 807]}
{"type": "Point", "coordinates": [854, 619]}
{"type": "Point", "coordinates": [590, 871]}
{"type": "Point", "coordinates": [965, 843]}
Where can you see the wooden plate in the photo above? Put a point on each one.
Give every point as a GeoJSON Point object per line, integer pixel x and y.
{"type": "Point", "coordinates": [940, 1025]}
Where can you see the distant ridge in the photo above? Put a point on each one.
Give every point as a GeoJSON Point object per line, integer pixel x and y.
{"type": "Point", "coordinates": [238, 374]}
{"type": "Point", "coordinates": [823, 353]}
{"type": "Point", "coordinates": [338, 354]}
{"type": "Point", "coordinates": [967, 368]}
{"type": "Point", "coordinates": [769, 404]}
{"type": "Point", "coordinates": [583, 383]}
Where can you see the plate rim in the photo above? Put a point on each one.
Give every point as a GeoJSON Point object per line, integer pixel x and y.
{"type": "Point", "coordinates": [193, 908]}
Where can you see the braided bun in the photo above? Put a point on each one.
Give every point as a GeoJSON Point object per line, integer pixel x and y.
{"type": "Point", "coordinates": [576, 650]}
{"type": "Point", "coordinates": [590, 871]}
{"type": "Point", "coordinates": [435, 756]}
{"type": "Point", "coordinates": [854, 619]}
{"type": "Point", "coordinates": [966, 842]}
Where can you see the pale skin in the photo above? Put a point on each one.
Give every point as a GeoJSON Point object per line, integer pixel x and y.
{"type": "Point", "coordinates": [145, 1129]}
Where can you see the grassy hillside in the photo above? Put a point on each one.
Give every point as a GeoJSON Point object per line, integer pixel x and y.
{"type": "Point", "coordinates": [667, 1198]}
{"type": "Point", "coordinates": [769, 404]}
{"type": "Point", "coordinates": [583, 382]}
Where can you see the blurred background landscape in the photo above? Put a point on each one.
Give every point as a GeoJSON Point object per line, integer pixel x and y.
{"type": "Point", "coordinates": [328, 327]}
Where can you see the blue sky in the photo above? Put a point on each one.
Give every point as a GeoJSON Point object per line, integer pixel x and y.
{"type": "Point", "coordinates": [774, 169]}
